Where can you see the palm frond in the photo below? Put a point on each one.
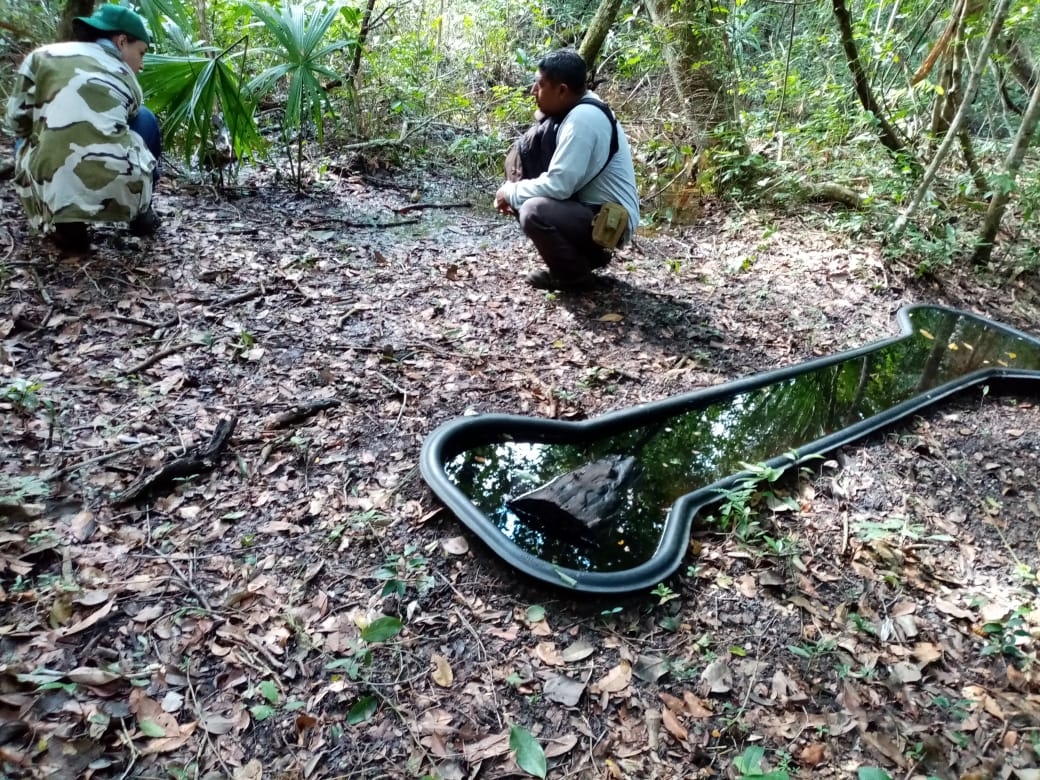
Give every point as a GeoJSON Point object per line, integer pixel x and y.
{"type": "Point", "coordinates": [300, 30]}
{"type": "Point", "coordinates": [160, 13]}
{"type": "Point", "coordinates": [187, 90]}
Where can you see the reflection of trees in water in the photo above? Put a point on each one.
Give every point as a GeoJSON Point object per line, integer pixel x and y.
{"type": "Point", "coordinates": [680, 451]}
{"type": "Point", "coordinates": [491, 474]}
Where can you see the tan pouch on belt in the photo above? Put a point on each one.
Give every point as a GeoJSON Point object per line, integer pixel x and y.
{"type": "Point", "coordinates": [609, 225]}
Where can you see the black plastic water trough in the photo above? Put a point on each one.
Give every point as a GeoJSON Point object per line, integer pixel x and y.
{"type": "Point", "coordinates": [689, 449]}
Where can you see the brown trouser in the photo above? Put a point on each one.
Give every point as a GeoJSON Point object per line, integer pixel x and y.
{"type": "Point", "coordinates": [561, 231]}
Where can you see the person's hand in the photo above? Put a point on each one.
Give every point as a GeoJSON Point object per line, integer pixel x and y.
{"type": "Point", "coordinates": [502, 205]}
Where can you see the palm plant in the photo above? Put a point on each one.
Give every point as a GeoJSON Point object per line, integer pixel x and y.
{"type": "Point", "coordinates": [301, 57]}
{"type": "Point", "coordinates": [189, 90]}
{"type": "Point", "coordinates": [193, 82]}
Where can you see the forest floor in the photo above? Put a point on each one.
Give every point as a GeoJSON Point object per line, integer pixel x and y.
{"type": "Point", "coordinates": [308, 609]}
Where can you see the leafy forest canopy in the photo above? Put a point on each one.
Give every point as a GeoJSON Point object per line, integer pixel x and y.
{"type": "Point", "coordinates": [916, 118]}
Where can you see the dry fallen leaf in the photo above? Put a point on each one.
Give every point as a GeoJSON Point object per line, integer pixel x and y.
{"type": "Point", "coordinates": [176, 737]}
{"type": "Point", "coordinates": [695, 706]}
{"type": "Point", "coordinates": [88, 675]}
{"type": "Point", "coordinates": [952, 609]}
{"type": "Point", "coordinates": [455, 545]}
{"type": "Point", "coordinates": [442, 673]}
{"type": "Point", "coordinates": [217, 724]}
{"type": "Point", "coordinates": [617, 679]}
{"type": "Point", "coordinates": [563, 690]}
{"type": "Point", "coordinates": [905, 672]}
{"type": "Point", "coordinates": [254, 770]}
{"type": "Point", "coordinates": [560, 745]}
{"type": "Point", "coordinates": [650, 668]}
{"type": "Point", "coordinates": [91, 598]}
{"type": "Point", "coordinates": [489, 747]}
{"type": "Point", "coordinates": [91, 620]}
{"type": "Point", "coordinates": [611, 317]}
{"type": "Point", "coordinates": [994, 612]}
{"type": "Point", "coordinates": [673, 726]}
{"type": "Point", "coordinates": [716, 678]}
{"type": "Point", "coordinates": [926, 653]}
{"type": "Point", "coordinates": [172, 702]}
{"type": "Point", "coordinates": [674, 703]}
{"type": "Point", "coordinates": [548, 654]}
{"type": "Point", "coordinates": [813, 754]}
{"type": "Point", "coordinates": [578, 651]}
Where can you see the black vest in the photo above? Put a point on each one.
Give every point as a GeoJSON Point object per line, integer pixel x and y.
{"type": "Point", "coordinates": [530, 155]}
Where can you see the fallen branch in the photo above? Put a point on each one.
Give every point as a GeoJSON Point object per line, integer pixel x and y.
{"type": "Point", "coordinates": [419, 206]}
{"type": "Point", "coordinates": [370, 225]}
{"type": "Point", "coordinates": [375, 143]}
{"type": "Point", "coordinates": [835, 193]}
{"type": "Point", "coordinates": [65, 471]}
{"type": "Point", "coordinates": [241, 297]}
{"type": "Point", "coordinates": [148, 362]}
{"type": "Point", "coordinates": [195, 461]}
{"type": "Point", "coordinates": [301, 412]}
{"type": "Point", "coordinates": [131, 320]}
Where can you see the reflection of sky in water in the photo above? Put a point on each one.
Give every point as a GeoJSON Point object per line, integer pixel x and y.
{"type": "Point", "coordinates": [525, 458]}
{"type": "Point", "coordinates": [698, 446]}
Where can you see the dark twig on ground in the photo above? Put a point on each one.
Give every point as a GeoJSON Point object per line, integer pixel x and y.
{"type": "Point", "coordinates": [196, 461]}
{"type": "Point", "coordinates": [150, 361]}
{"type": "Point", "coordinates": [301, 412]}
{"type": "Point", "coordinates": [465, 204]}
{"type": "Point", "coordinates": [66, 470]}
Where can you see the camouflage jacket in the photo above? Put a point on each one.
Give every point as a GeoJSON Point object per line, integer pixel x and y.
{"type": "Point", "coordinates": [79, 161]}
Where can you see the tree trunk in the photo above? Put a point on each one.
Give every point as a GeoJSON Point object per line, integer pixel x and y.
{"type": "Point", "coordinates": [946, 104]}
{"type": "Point", "coordinates": [1022, 67]}
{"type": "Point", "coordinates": [362, 39]}
{"type": "Point", "coordinates": [977, 176]}
{"type": "Point", "coordinates": [995, 213]}
{"type": "Point", "coordinates": [703, 97]}
{"type": "Point", "coordinates": [951, 135]}
{"type": "Point", "coordinates": [600, 25]}
{"type": "Point", "coordinates": [889, 138]}
{"type": "Point", "coordinates": [72, 9]}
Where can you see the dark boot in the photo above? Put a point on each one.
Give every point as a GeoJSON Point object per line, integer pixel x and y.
{"type": "Point", "coordinates": [543, 279]}
{"type": "Point", "coordinates": [72, 236]}
{"type": "Point", "coordinates": [145, 223]}
{"type": "Point", "coordinates": [601, 259]}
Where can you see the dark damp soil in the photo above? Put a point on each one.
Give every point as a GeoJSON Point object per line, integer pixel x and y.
{"type": "Point", "coordinates": [229, 625]}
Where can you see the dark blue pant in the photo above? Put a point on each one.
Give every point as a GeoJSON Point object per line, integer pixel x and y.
{"type": "Point", "coordinates": [147, 126]}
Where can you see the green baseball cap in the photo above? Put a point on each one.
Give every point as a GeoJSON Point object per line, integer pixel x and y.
{"type": "Point", "coordinates": [116, 18]}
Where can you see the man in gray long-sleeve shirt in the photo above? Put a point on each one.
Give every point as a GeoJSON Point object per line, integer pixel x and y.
{"type": "Point", "coordinates": [557, 208]}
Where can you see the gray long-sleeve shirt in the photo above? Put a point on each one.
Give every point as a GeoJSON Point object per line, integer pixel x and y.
{"type": "Point", "coordinates": [582, 146]}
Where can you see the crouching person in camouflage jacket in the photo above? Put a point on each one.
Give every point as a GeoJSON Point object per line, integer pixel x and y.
{"type": "Point", "coordinates": [87, 150]}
